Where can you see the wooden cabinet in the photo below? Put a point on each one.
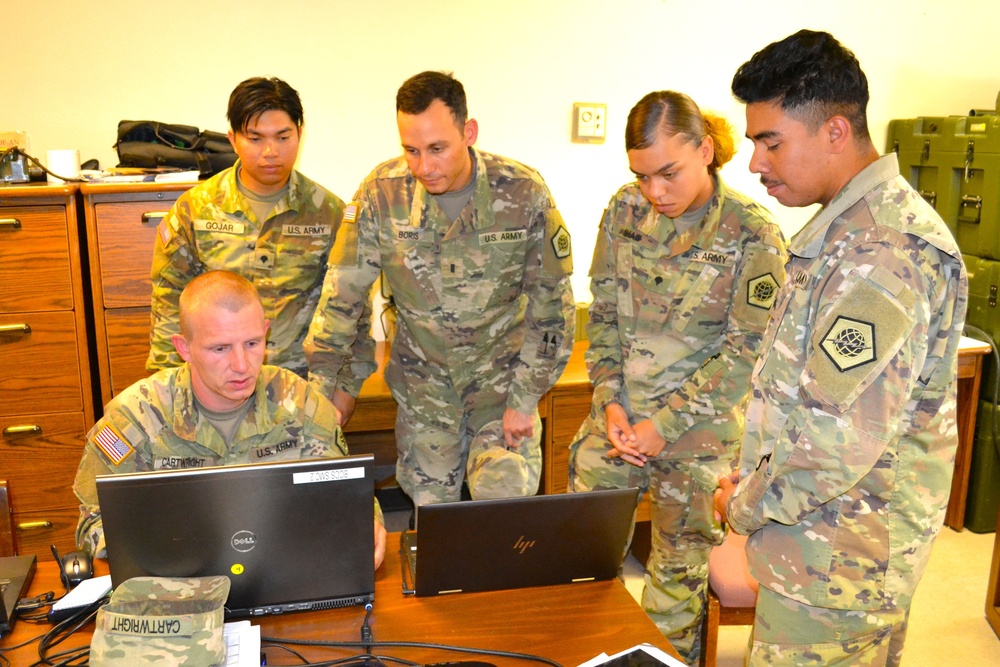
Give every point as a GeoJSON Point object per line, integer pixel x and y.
{"type": "Point", "coordinates": [47, 403]}
{"type": "Point", "coordinates": [121, 233]}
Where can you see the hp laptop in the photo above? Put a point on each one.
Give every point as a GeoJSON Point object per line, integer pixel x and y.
{"type": "Point", "coordinates": [291, 536]}
{"type": "Point", "coordinates": [15, 577]}
{"type": "Point", "coordinates": [484, 545]}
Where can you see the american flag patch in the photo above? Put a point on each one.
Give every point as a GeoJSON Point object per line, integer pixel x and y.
{"type": "Point", "coordinates": [351, 213]}
{"type": "Point", "coordinates": [112, 444]}
{"type": "Point", "coordinates": [165, 232]}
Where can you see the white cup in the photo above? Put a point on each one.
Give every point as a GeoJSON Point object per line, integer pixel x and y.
{"type": "Point", "coordinates": [64, 163]}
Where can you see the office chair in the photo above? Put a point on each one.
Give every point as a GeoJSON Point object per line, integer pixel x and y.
{"type": "Point", "coordinates": [732, 593]}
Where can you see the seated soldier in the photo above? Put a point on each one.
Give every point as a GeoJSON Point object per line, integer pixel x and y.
{"type": "Point", "coordinates": [221, 407]}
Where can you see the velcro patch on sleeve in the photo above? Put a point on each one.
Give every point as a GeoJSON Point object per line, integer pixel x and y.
{"type": "Point", "coordinates": [558, 253]}
{"type": "Point", "coordinates": [762, 275]}
{"type": "Point", "coordinates": [111, 443]}
{"type": "Point", "coordinates": [345, 243]}
{"type": "Point", "coordinates": [854, 342]}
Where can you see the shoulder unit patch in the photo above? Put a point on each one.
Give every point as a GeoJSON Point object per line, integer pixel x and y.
{"type": "Point", "coordinates": [849, 343]}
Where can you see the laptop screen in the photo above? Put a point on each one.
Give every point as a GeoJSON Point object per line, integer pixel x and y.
{"type": "Point", "coordinates": [291, 536]}
{"type": "Point", "coordinates": [483, 545]}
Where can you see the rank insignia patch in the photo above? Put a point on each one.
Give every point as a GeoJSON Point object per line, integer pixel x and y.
{"type": "Point", "coordinates": [761, 291]}
{"type": "Point", "coordinates": [112, 445]}
{"type": "Point", "coordinates": [849, 343]}
{"type": "Point", "coordinates": [560, 242]}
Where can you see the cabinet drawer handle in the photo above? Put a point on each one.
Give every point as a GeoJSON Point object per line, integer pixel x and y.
{"type": "Point", "coordinates": [34, 525]}
{"type": "Point", "coordinates": [15, 328]}
{"type": "Point", "coordinates": [154, 215]}
{"type": "Point", "coordinates": [23, 429]}
{"type": "Point", "coordinates": [13, 223]}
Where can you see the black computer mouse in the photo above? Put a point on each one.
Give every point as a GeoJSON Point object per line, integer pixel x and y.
{"type": "Point", "coordinates": [77, 566]}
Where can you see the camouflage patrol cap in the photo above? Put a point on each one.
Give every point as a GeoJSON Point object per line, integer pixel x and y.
{"type": "Point", "coordinates": [176, 621]}
{"type": "Point", "coordinates": [494, 471]}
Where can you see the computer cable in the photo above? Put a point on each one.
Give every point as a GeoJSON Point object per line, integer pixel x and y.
{"type": "Point", "coordinates": [366, 630]}
{"type": "Point", "coordinates": [15, 151]}
{"type": "Point", "coordinates": [528, 657]}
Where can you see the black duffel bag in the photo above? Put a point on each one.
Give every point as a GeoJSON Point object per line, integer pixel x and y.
{"type": "Point", "coordinates": [149, 144]}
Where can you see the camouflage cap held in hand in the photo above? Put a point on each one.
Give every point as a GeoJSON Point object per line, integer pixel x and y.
{"type": "Point", "coordinates": [175, 621]}
{"type": "Point", "coordinates": [494, 471]}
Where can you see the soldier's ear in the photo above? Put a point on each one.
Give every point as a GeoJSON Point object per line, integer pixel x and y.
{"type": "Point", "coordinates": [181, 346]}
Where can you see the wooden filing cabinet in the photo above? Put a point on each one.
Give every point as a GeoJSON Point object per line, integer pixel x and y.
{"type": "Point", "coordinates": [46, 400]}
{"type": "Point", "coordinates": [121, 233]}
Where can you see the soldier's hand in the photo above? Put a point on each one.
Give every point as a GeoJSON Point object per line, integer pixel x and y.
{"type": "Point", "coordinates": [344, 403]}
{"type": "Point", "coordinates": [727, 485]}
{"type": "Point", "coordinates": [379, 543]}
{"type": "Point", "coordinates": [516, 427]}
{"type": "Point", "coordinates": [620, 432]}
{"type": "Point", "coordinates": [647, 440]}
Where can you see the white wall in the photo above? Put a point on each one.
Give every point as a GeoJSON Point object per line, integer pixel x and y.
{"type": "Point", "coordinates": [73, 69]}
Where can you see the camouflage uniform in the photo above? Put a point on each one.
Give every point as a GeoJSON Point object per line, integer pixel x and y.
{"type": "Point", "coordinates": [154, 425]}
{"type": "Point", "coordinates": [485, 310]}
{"type": "Point", "coordinates": [165, 620]}
{"type": "Point", "coordinates": [851, 427]}
{"type": "Point", "coordinates": [213, 227]}
{"type": "Point", "coordinates": [674, 331]}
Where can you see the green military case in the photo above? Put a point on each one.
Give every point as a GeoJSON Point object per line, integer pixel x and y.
{"type": "Point", "coordinates": [983, 499]}
{"type": "Point", "coordinates": [954, 162]}
{"type": "Point", "coordinates": [984, 309]}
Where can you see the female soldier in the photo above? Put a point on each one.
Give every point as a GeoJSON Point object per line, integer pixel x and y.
{"type": "Point", "coordinates": [683, 278]}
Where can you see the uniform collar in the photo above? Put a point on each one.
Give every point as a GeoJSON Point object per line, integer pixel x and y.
{"type": "Point", "coordinates": [809, 242]}
{"type": "Point", "coordinates": [234, 202]}
{"type": "Point", "coordinates": [702, 235]}
{"type": "Point", "coordinates": [191, 425]}
{"type": "Point", "coordinates": [481, 216]}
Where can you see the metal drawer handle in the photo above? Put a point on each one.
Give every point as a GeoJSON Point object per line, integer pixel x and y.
{"type": "Point", "coordinates": [34, 525]}
{"type": "Point", "coordinates": [23, 429]}
{"type": "Point", "coordinates": [150, 216]}
{"type": "Point", "coordinates": [13, 223]}
{"type": "Point", "coordinates": [15, 328]}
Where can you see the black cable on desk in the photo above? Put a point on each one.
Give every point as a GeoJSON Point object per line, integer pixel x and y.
{"type": "Point", "coordinates": [390, 644]}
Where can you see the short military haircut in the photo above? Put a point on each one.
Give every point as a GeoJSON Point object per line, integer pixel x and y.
{"type": "Point", "coordinates": [419, 92]}
{"type": "Point", "coordinates": [255, 96]}
{"type": "Point", "coordinates": [666, 113]}
{"type": "Point", "coordinates": [217, 290]}
{"type": "Point", "coordinates": [812, 76]}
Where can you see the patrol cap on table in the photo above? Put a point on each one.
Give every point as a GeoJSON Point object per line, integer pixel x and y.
{"type": "Point", "coordinates": [176, 621]}
{"type": "Point", "coordinates": [494, 471]}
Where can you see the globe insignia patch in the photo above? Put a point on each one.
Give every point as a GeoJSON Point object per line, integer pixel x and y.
{"type": "Point", "coordinates": [560, 242]}
{"type": "Point", "coordinates": [761, 291]}
{"type": "Point", "coordinates": [849, 343]}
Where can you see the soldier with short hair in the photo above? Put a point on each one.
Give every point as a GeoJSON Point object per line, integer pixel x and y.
{"type": "Point", "coordinates": [260, 218]}
{"type": "Point", "coordinates": [478, 260]}
{"type": "Point", "coordinates": [684, 274]}
{"type": "Point", "coordinates": [851, 429]}
{"type": "Point", "coordinates": [221, 406]}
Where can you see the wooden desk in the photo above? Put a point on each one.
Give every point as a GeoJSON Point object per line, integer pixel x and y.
{"type": "Point", "coordinates": [568, 624]}
{"type": "Point", "coordinates": [970, 366]}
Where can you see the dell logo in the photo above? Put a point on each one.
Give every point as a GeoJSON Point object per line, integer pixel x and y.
{"type": "Point", "coordinates": [244, 541]}
{"type": "Point", "coordinates": [523, 545]}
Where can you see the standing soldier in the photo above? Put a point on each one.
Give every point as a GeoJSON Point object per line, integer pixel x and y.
{"type": "Point", "coordinates": [259, 218]}
{"type": "Point", "coordinates": [684, 275]}
{"type": "Point", "coordinates": [478, 260]}
{"type": "Point", "coordinates": [851, 429]}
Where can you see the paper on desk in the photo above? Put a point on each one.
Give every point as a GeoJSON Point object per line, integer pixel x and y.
{"type": "Point", "coordinates": [242, 644]}
{"type": "Point", "coordinates": [86, 592]}
{"type": "Point", "coordinates": [645, 655]}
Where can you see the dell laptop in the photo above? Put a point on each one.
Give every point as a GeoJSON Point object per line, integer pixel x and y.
{"type": "Point", "coordinates": [16, 573]}
{"type": "Point", "coordinates": [291, 535]}
{"type": "Point", "coordinates": [484, 545]}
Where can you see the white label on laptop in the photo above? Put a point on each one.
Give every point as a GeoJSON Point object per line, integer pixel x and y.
{"type": "Point", "coordinates": [338, 475]}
